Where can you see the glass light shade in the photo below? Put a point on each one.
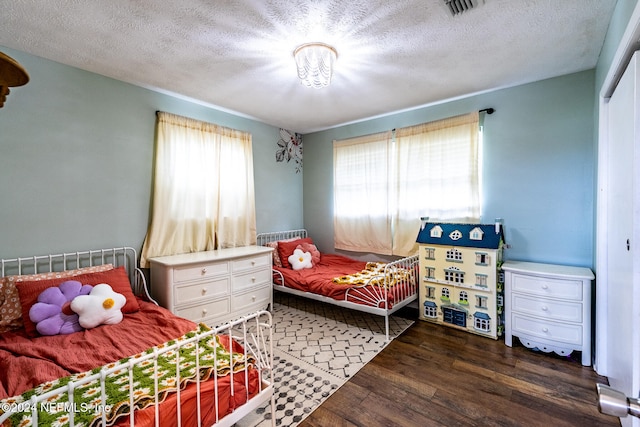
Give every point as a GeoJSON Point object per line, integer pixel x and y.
{"type": "Point", "coordinates": [315, 63]}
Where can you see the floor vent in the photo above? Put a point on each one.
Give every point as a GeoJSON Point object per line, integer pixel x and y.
{"type": "Point", "coordinates": [456, 7]}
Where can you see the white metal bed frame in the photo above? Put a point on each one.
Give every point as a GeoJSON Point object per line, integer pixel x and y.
{"type": "Point", "coordinates": [253, 332]}
{"type": "Point", "coordinates": [372, 299]}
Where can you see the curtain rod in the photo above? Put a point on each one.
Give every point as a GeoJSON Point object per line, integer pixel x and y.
{"type": "Point", "coordinates": [487, 110]}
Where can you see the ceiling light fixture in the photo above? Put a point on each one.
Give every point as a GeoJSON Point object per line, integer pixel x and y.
{"type": "Point", "coordinates": [315, 63]}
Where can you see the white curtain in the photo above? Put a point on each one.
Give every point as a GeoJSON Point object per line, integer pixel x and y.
{"type": "Point", "coordinates": [361, 193]}
{"type": "Point", "coordinates": [384, 185]}
{"type": "Point", "coordinates": [203, 196]}
{"type": "Point", "coordinates": [437, 176]}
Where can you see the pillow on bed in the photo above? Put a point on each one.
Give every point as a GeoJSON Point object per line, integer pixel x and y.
{"type": "Point", "coordinates": [116, 277]}
{"type": "Point", "coordinates": [10, 308]}
{"type": "Point", "coordinates": [299, 260]}
{"type": "Point", "coordinates": [52, 313]}
{"type": "Point", "coordinates": [285, 249]}
{"type": "Point", "coordinates": [276, 255]}
{"type": "Point", "coordinates": [312, 249]}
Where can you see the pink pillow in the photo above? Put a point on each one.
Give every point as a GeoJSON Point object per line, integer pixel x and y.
{"type": "Point", "coordinates": [312, 249]}
{"type": "Point", "coordinates": [285, 249]}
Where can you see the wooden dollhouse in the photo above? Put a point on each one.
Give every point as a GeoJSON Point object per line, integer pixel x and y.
{"type": "Point", "coordinates": [461, 279]}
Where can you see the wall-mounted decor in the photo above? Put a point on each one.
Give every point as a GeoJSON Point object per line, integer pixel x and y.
{"type": "Point", "coordinates": [290, 148]}
{"type": "Point", "coordinates": [11, 74]}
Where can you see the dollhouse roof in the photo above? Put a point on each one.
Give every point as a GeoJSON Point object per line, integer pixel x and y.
{"type": "Point", "coordinates": [451, 234]}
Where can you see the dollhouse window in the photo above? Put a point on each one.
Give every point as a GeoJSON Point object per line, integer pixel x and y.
{"type": "Point", "coordinates": [429, 253]}
{"type": "Point", "coordinates": [436, 232]}
{"type": "Point", "coordinates": [476, 234]}
{"type": "Point", "coordinates": [455, 235]}
{"type": "Point", "coordinates": [454, 275]}
{"type": "Point", "coordinates": [481, 301]}
{"type": "Point", "coordinates": [430, 309]}
{"type": "Point", "coordinates": [430, 272]}
{"type": "Point", "coordinates": [444, 294]}
{"type": "Point", "coordinates": [464, 298]}
{"type": "Point", "coordinates": [482, 323]}
{"type": "Point", "coordinates": [430, 292]}
{"type": "Point", "coordinates": [481, 280]}
{"type": "Point", "coordinates": [482, 258]}
{"type": "Point", "coordinates": [454, 255]}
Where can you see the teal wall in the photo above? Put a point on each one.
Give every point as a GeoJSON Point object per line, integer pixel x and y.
{"type": "Point", "coordinates": [76, 161]}
{"type": "Point", "coordinates": [538, 166]}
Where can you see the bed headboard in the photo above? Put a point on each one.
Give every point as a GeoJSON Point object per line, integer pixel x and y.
{"type": "Point", "coordinates": [123, 256]}
{"type": "Point", "coordinates": [274, 236]}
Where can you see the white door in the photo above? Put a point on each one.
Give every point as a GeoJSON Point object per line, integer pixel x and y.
{"type": "Point", "coordinates": [623, 217]}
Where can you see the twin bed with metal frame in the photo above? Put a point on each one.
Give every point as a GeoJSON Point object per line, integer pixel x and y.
{"type": "Point", "coordinates": [194, 375]}
{"type": "Point", "coordinates": [340, 281]}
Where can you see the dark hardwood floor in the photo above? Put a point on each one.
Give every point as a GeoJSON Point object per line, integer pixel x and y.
{"type": "Point", "coordinates": [433, 375]}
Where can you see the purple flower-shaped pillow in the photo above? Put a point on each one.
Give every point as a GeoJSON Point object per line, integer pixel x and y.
{"type": "Point", "coordinates": [52, 313]}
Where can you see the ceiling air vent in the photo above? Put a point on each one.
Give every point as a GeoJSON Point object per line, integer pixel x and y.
{"type": "Point", "coordinates": [456, 7]}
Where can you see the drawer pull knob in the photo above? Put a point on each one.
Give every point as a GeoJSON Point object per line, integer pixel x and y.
{"type": "Point", "coordinates": [204, 271]}
{"type": "Point", "coordinates": [204, 311]}
{"type": "Point", "coordinates": [253, 263]}
{"type": "Point", "coordinates": [545, 286]}
{"type": "Point", "coordinates": [545, 330]}
{"type": "Point", "coordinates": [253, 298]}
{"type": "Point", "coordinates": [204, 291]}
{"type": "Point", "coordinates": [253, 279]}
{"type": "Point", "coordinates": [545, 308]}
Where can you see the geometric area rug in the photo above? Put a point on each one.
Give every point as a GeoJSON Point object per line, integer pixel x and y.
{"type": "Point", "coordinates": [317, 348]}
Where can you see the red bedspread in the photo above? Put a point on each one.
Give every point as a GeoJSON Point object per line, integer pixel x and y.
{"type": "Point", "coordinates": [27, 362]}
{"type": "Point", "coordinates": [319, 280]}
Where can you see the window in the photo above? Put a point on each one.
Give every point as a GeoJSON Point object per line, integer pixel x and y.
{"type": "Point", "coordinates": [454, 275]}
{"type": "Point", "coordinates": [203, 195]}
{"type": "Point", "coordinates": [444, 294]}
{"type": "Point", "coordinates": [481, 280]}
{"type": "Point", "coordinates": [430, 272]}
{"type": "Point", "coordinates": [430, 292]}
{"type": "Point", "coordinates": [429, 253]}
{"type": "Point", "coordinates": [464, 298]}
{"type": "Point", "coordinates": [384, 183]}
{"type": "Point", "coordinates": [430, 310]}
{"type": "Point", "coordinates": [476, 234]}
{"type": "Point", "coordinates": [454, 255]}
{"type": "Point", "coordinates": [482, 258]}
{"type": "Point", "coordinates": [481, 301]}
{"type": "Point", "coordinates": [482, 323]}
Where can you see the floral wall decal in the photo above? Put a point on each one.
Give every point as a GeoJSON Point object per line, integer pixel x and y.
{"type": "Point", "coordinates": [290, 148]}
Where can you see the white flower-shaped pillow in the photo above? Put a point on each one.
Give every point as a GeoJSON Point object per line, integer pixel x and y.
{"type": "Point", "coordinates": [300, 260]}
{"type": "Point", "coordinates": [101, 307]}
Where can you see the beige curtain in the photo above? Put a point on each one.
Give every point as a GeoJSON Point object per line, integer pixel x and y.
{"type": "Point", "coordinates": [437, 176]}
{"type": "Point", "coordinates": [361, 193]}
{"type": "Point", "coordinates": [203, 196]}
{"type": "Point", "coordinates": [384, 185]}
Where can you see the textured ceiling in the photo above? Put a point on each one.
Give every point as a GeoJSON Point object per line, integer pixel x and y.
{"type": "Point", "coordinates": [237, 55]}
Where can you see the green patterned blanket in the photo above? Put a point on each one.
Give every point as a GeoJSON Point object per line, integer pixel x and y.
{"type": "Point", "coordinates": [215, 355]}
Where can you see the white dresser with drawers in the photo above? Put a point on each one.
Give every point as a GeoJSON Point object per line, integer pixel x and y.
{"type": "Point", "coordinates": [548, 307]}
{"type": "Point", "coordinates": [214, 287]}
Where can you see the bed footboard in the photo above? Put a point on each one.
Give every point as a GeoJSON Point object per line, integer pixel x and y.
{"type": "Point", "coordinates": [231, 375]}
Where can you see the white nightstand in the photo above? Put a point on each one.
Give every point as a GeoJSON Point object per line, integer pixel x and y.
{"type": "Point", "coordinates": [214, 286]}
{"type": "Point", "coordinates": [548, 307]}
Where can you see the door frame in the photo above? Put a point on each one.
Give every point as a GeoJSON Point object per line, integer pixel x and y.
{"type": "Point", "coordinates": [629, 43]}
